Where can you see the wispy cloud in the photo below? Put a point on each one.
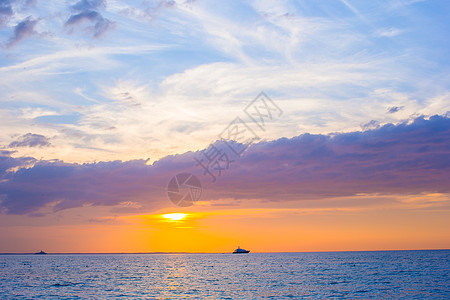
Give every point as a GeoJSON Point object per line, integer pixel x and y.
{"type": "Point", "coordinates": [172, 68]}
{"type": "Point", "coordinates": [148, 10]}
{"type": "Point", "coordinates": [389, 32]}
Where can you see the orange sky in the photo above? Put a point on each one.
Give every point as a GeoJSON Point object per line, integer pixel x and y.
{"type": "Point", "coordinates": [419, 222]}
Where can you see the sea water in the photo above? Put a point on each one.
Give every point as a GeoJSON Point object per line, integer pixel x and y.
{"type": "Point", "coordinates": [337, 275]}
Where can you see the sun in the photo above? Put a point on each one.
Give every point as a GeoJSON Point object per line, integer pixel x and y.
{"type": "Point", "coordinates": [175, 216]}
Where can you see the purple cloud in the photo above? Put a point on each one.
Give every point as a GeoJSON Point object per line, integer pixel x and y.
{"type": "Point", "coordinates": [84, 5]}
{"type": "Point", "coordinates": [7, 162]}
{"type": "Point", "coordinates": [22, 30]}
{"type": "Point", "coordinates": [5, 12]}
{"type": "Point", "coordinates": [370, 125]}
{"type": "Point", "coordinates": [395, 109]}
{"type": "Point", "coordinates": [87, 12]}
{"type": "Point", "coordinates": [30, 140]}
{"type": "Point", "coordinates": [408, 158]}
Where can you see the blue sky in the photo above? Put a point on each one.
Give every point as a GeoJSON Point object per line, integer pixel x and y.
{"type": "Point", "coordinates": [105, 80]}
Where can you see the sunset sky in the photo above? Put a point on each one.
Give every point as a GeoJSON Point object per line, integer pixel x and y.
{"type": "Point", "coordinates": [102, 102]}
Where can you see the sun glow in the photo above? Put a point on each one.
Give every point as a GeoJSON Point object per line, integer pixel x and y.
{"type": "Point", "coordinates": [175, 216]}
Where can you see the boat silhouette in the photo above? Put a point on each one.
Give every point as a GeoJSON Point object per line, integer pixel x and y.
{"type": "Point", "coordinates": [42, 252]}
{"type": "Point", "coordinates": [239, 250]}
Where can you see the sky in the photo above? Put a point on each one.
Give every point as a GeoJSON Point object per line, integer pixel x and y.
{"type": "Point", "coordinates": [330, 120]}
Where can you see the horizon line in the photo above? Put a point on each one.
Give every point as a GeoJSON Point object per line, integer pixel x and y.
{"type": "Point", "coordinates": [184, 252]}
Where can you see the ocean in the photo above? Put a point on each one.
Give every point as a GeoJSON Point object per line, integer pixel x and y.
{"type": "Point", "coordinates": [336, 275]}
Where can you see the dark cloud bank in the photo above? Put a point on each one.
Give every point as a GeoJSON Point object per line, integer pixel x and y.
{"type": "Point", "coordinates": [407, 158]}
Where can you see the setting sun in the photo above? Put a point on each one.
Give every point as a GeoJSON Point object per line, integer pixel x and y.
{"type": "Point", "coordinates": [174, 216]}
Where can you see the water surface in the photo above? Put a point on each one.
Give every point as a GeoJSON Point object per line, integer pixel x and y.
{"type": "Point", "coordinates": [338, 275]}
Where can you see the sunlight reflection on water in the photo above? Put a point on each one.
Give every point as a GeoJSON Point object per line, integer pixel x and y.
{"type": "Point", "coordinates": [387, 274]}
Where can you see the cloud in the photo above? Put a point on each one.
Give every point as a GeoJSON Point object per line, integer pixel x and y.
{"type": "Point", "coordinates": [8, 8]}
{"type": "Point", "coordinates": [5, 12]}
{"type": "Point", "coordinates": [30, 140]}
{"type": "Point", "coordinates": [84, 5]}
{"type": "Point", "coordinates": [150, 10]}
{"type": "Point", "coordinates": [22, 30]}
{"type": "Point", "coordinates": [324, 68]}
{"type": "Point", "coordinates": [370, 125]}
{"type": "Point", "coordinates": [408, 158]}
{"type": "Point", "coordinates": [389, 32]}
{"type": "Point", "coordinates": [87, 11]}
{"type": "Point", "coordinates": [401, 4]}
{"type": "Point", "coordinates": [394, 109]}
{"type": "Point", "coordinates": [7, 163]}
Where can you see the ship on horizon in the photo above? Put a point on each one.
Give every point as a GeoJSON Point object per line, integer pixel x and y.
{"type": "Point", "coordinates": [41, 252]}
{"type": "Point", "coordinates": [239, 250]}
